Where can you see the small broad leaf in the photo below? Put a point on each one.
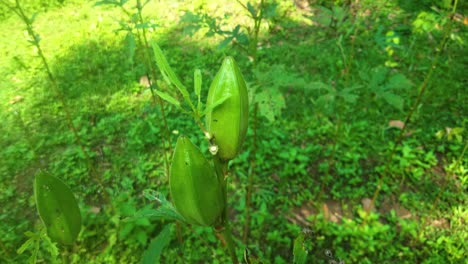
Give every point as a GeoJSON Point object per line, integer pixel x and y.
{"type": "Point", "coordinates": [168, 98]}
{"type": "Point", "coordinates": [398, 81]}
{"type": "Point", "coordinates": [269, 10]}
{"type": "Point", "coordinates": [251, 10]}
{"type": "Point", "coordinates": [393, 99]}
{"type": "Point", "coordinates": [236, 30]}
{"type": "Point", "coordinates": [378, 77]}
{"type": "Point", "coordinates": [225, 42]}
{"type": "Point", "coordinates": [325, 101]}
{"type": "Point", "coordinates": [165, 211]}
{"type": "Point", "coordinates": [242, 39]}
{"type": "Point", "coordinates": [154, 250]}
{"type": "Point", "coordinates": [348, 94]}
{"type": "Point", "coordinates": [349, 98]}
{"type": "Point", "coordinates": [270, 104]}
{"type": "Point", "coordinates": [324, 16]}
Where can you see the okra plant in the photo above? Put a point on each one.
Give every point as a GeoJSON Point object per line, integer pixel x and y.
{"type": "Point", "coordinates": [197, 183]}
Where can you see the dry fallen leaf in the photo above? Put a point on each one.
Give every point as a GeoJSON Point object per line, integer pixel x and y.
{"type": "Point", "coordinates": [95, 210]}
{"type": "Point", "coordinates": [396, 123]}
{"type": "Point", "coordinates": [145, 81]}
{"type": "Point", "coordinates": [366, 204]}
{"type": "Point", "coordinates": [16, 99]}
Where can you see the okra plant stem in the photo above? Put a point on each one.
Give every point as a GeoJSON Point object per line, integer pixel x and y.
{"type": "Point", "coordinates": [224, 231]}
{"type": "Point", "coordinates": [150, 68]}
{"type": "Point", "coordinates": [226, 235]}
{"type": "Point", "coordinates": [18, 10]}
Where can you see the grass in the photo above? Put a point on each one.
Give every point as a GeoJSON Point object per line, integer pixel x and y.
{"type": "Point", "coordinates": [318, 162]}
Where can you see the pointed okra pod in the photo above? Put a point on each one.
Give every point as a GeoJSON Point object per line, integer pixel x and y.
{"type": "Point", "coordinates": [227, 122]}
{"type": "Point", "coordinates": [195, 189]}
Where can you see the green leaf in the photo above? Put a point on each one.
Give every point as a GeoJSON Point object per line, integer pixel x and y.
{"type": "Point", "coordinates": [57, 208]}
{"type": "Point", "coordinates": [168, 98]}
{"type": "Point", "coordinates": [151, 195]}
{"type": "Point", "coordinates": [165, 211]}
{"type": "Point", "coordinates": [107, 2]}
{"type": "Point", "coordinates": [33, 18]}
{"type": "Point", "coordinates": [242, 38]}
{"type": "Point", "coordinates": [198, 82]}
{"type": "Point", "coordinates": [348, 94]}
{"type": "Point", "coordinates": [398, 81]}
{"type": "Point", "coordinates": [251, 10]}
{"type": "Point", "coordinates": [154, 250]}
{"type": "Point", "coordinates": [379, 75]}
{"type": "Point", "coordinates": [160, 213]}
{"type": "Point", "coordinates": [197, 87]}
{"type": "Point", "coordinates": [269, 11]}
{"type": "Point", "coordinates": [131, 46]}
{"type": "Point", "coordinates": [51, 247]}
{"type": "Point", "coordinates": [25, 245]}
{"type": "Point", "coordinates": [146, 25]}
{"type": "Point", "coordinates": [300, 254]}
{"type": "Point", "coordinates": [171, 76]}
{"type": "Point", "coordinates": [225, 42]}
{"type": "Point", "coordinates": [393, 99]}
{"type": "Point", "coordinates": [216, 104]}
{"type": "Point", "coordinates": [270, 104]}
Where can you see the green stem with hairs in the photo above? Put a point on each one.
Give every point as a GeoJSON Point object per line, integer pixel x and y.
{"type": "Point", "coordinates": [152, 70]}
{"type": "Point", "coordinates": [224, 229]}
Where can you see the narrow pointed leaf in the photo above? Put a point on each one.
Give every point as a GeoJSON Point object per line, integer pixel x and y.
{"type": "Point", "coordinates": [219, 102]}
{"type": "Point", "coordinates": [154, 250]}
{"type": "Point", "coordinates": [198, 83]}
{"type": "Point", "coordinates": [172, 77]}
{"type": "Point", "coordinates": [168, 98]}
{"type": "Point", "coordinates": [300, 254]}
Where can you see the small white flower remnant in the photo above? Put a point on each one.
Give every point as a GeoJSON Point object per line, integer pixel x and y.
{"type": "Point", "coordinates": [213, 149]}
{"type": "Point", "coordinates": [208, 135]}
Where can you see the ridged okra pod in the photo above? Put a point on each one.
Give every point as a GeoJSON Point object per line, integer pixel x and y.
{"type": "Point", "coordinates": [227, 122]}
{"type": "Point", "coordinates": [196, 191]}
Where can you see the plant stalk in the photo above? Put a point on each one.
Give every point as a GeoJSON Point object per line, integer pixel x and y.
{"type": "Point", "coordinates": [160, 102]}
{"type": "Point", "coordinates": [224, 229]}
{"type": "Point", "coordinates": [226, 236]}
{"type": "Point", "coordinates": [35, 41]}
{"type": "Point", "coordinates": [248, 195]}
{"type": "Point", "coordinates": [422, 89]}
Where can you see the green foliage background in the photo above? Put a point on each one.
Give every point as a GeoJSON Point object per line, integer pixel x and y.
{"type": "Point", "coordinates": [332, 80]}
